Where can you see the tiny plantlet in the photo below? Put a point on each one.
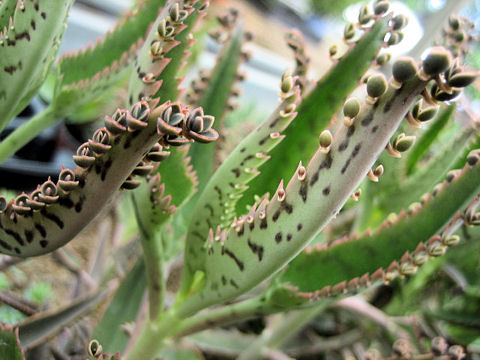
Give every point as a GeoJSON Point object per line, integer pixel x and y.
{"type": "Point", "coordinates": [334, 194]}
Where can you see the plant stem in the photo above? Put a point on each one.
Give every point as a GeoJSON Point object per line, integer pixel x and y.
{"type": "Point", "coordinates": [26, 132]}
{"type": "Point", "coordinates": [152, 252]}
{"type": "Point", "coordinates": [151, 340]}
{"type": "Point", "coordinates": [152, 248]}
{"type": "Point", "coordinates": [358, 305]}
{"type": "Point", "coordinates": [287, 326]}
{"type": "Point", "coordinates": [226, 314]}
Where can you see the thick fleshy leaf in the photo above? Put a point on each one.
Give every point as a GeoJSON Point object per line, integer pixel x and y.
{"type": "Point", "coordinates": [352, 258]}
{"type": "Point", "coordinates": [215, 98]}
{"type": "Point", "coordinates": [430, 174]}
{"type": "Point", "coordinates": [42, 326]}
{"type": "Point", "coordinates": [315, 113]}
{"type": "Point", "coordinates": [9, 345]}
{"type": "Point", "coordinates": [53, 214]}
{"type": "Point", "coordinates": [123, 308]}
{"type": "Point", "coordinates": [28, 47]}
{"type": "Point", "coordinates": [82, 76]}
{"type": "Point", "coordinates": [162, 55]}
{"type": "Point", "coordinates": [277, 229]}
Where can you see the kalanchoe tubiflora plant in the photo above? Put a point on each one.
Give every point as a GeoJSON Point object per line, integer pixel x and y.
{"type": "Point", "coordinates": [270, 229]}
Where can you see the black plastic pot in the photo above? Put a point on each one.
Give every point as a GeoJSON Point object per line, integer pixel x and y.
{"type": "Point", "coordinates": [41, 158]}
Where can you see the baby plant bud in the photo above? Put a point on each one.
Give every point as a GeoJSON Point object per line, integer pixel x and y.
{"type": "Point", "coordinates": [94, 348]}
{"type": "Point", "coordinates": [440, 95]}
{"type": "Point", "coordinates": [451, 240]}
{"type": "Point", "coordinates": [437, 61]}
{"type": "Point", "coordinates": [287, 84]}
{"type": "Point", "coordinates": [456, 352]}
{"type": "Point", "coordinates": [404, 68]}
{"type": "Point", "coordinates": [427, 113]}
{"type": "Point", "coordinates": [399, 22]}
{"type": "Point", "coordinates": [156, 49]}
{"type": "Point", "coordinates": [408, 269]}
{"type": "Point", "coordinates": [381, 7]}
{"type": "Point", "coordinates": [204, 6]}
{"type": "Point", "coordinates": [349, 31]}
{"type": "Point", "coordinates": [165, 30]}
{"type": "Point", "coordinates": [402, 348]}
{"type": "Point", "coordinates": [392, 218]}
{"type": "Point", "coordinates": [384, 58]}
{"type": "Point", "coordinates": [417, 108]}
{"type": "Point", "coordinates": [473, 157]}
{"type": "Point", "coordinates": [460, 36]}
{"type": "Point", "coordinates": [454, 22]}
{"type": "Point", "coordinates": [351, 107]}
{"type": "Point", "coordinates": [364, 15]}
{"type": "Point", "coordinates": [376, 85]}
{"type": "Point", "coordinates": [414, 207]}
{"type": "Point", "coordinates": [462, 79]}
{"type": "Point", "coordinates": [175, 12]}
{"type": "Point", "coordinates": [378, 171]}
{"type": "Point", "coordinates": [333, 50]}
{"type": "Point", "coordinates": [451, 175]}
{"type": "Point", "coordinates": [402, 143]}
{"type": "Point", "coordinates": [439, 346]}
{"type": "Point", "coordinates": [325, 139]}
{"type": "Point", "coordinates": [436, 248]}
{"type": "Point", "coordinates": [375, 174]}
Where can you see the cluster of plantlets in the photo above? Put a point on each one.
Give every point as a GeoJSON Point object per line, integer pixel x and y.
{"type": "Point", "coordinates": [252, 241]}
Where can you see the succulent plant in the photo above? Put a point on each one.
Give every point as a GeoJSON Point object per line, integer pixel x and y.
{"type": "Point", "coordinates": [271, 228]}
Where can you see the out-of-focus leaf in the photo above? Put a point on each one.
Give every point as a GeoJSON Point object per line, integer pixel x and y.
{"type": "Point", "coordinates": [41, 326]}
{"type": "Point", "coordinates": [123, 308]}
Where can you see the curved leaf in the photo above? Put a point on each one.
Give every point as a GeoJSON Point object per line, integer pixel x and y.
{"type": "Point", "coordinates": [28, 47]}
{"type": "Point", "coordinates": [352, 258]}
{"type": "Point", "coordinates": [316, 111]}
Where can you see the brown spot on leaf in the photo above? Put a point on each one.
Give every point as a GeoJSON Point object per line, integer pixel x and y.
{"type": "Point", "coordinates": [41, 230]}
{"type": "Point", "coordinates": [278, 237]}
{"type": "Point", "coordinates": [256, 249]}
{"type": "Point", "coordinates": [230, 254]}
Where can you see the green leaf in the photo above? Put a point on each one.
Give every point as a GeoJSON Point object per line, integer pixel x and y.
{"type": "Point", "coordinates": [277, 229]}
{"type": "Point", "coordinates": [428, 176]}
{"type": "Point", "coordinates": [222, 342]}
{"type": "Point", "coordinates": [352, 258]}
{"type": "Point", "coordinates": [118, 43]}
{"type": "Point", "coordinates": [27, 52]}
{"type": "Point", "coordinates": [7, 10]}
{"type": "Point", "coordinates": [164, 67]}
{"type": "Point", "coordinates": [9, 345]}
{"type": "Point", "coordinates": [315, 113]}
{"type": "Point", "coordinates": [41, 326]}
{"type": "Point", "coordinates": [83, 76]}
{"type": "Point", "coordinates": [178, 176]}
{"type": "Point", "coordinates": [123, 308]}
{"type": "Point", "coordinates": [423, 144]}
{"type": "Point", "coordinates": [218, 199]}
{"type": "Point", "coordinates": [214, 101]}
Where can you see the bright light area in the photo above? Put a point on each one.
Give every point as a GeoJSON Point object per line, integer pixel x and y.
{"type": "Point", "coordinates": [436, 4]}
{"type": "Point", "coordinates": [413, 32]}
